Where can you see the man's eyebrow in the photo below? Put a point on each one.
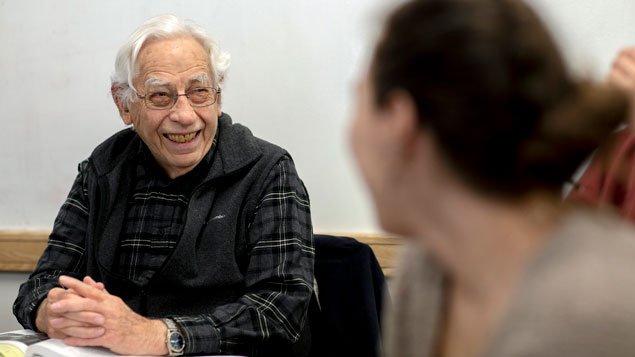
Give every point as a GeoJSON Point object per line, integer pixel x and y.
{"type": "Point", "coordinates": [201, 78]}
{"type": "Point", "coordinates": [155, 82]}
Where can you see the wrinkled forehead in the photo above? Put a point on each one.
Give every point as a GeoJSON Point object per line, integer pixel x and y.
{"type": "Point", "coordinates": [179, 59]}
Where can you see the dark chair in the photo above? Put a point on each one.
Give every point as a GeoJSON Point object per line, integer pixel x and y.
{"type": "Point", "coordinates": [345, 319]}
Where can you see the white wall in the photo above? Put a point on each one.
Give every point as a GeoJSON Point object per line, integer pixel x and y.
{"type": "Point", "coordinates": [292, 80]}
{"type": "Point", "coordinates": [9, 284]}
{"type": "Point", "coordinates": [590, 32]}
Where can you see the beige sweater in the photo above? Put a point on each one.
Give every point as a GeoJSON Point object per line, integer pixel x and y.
{"type": "Point", "coordinates": [577, 297]}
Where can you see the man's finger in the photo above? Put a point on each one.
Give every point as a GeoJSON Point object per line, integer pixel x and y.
{"type": "Point", "coordinates": [76, 341]}
{"type": "Point", "coordinates": [57, 294]}
{"type": "Point", "coordinates": [83, 318]}
{"type": "Point", "coordinates": [80, 287]}
{"type": "Point", "coordinates": [74, 305]}
{"type": "Point", "coordinates": [63, 322]}
{"type": "Point", "coordinates": [90, 281]}
{"type": "Point", "coordinates": [53, 333]}
{"type": "Point", "coordinates": [84, 332]}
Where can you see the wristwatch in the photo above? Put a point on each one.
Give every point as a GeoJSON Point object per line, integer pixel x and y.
{"type": "Point", "coordinates": [174, 340]}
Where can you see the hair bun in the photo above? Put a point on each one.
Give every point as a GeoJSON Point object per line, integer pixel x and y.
{"type": "Point", "coordinates": [570, 132]}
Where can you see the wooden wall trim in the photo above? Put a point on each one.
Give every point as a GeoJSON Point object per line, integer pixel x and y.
{"type": "Point", "coordinates": [385, 246]}
{"type": "Point", "coordinates": [20, 250]}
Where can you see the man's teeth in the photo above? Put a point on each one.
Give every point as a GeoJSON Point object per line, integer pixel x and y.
{"type": "Point", "coordinates": [181, 138]}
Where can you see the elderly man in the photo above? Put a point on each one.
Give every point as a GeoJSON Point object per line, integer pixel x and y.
{"type": "Point", "coordinates": [183, 234]}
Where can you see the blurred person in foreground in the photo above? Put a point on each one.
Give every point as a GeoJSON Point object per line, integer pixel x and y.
{"type": "Point", "coordinates": [467, 126]}
{"type": "Point", "coordinates": [184, 233]}
{"type": "Point", "coordinates": [609, 179]}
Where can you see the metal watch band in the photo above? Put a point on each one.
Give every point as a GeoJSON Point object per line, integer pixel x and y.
{"type": "Point", "coordinates": [172, 329]}
{"type": "Point", "coordinates": [171, 324]}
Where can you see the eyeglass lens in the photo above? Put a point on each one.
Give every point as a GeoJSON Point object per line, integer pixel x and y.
{"type": "Point", "coordinates": [164, 98]}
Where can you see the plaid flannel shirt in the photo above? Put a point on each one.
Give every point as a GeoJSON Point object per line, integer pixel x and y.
{"type": "Point", "coordinates": [281, 230]}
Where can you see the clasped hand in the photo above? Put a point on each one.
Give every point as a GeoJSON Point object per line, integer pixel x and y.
{"type": "Point", "coordinates": [85, 314]}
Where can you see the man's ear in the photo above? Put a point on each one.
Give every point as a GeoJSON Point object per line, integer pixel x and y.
{"type": "Point", "coordinates": [218, 103]}
{"type": "Point", "coordinates": [124, 112]}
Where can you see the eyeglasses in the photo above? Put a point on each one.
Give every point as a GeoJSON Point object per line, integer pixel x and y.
{"type": "Point", "coordinates": [162, 99]}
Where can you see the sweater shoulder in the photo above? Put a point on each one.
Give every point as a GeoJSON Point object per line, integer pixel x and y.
{"type": "Point", "coordinates": [577, 296]}
{"type": "Point", "coordinates": [239, 145]}
{"type": "Point", "coordinates": [114, 150]}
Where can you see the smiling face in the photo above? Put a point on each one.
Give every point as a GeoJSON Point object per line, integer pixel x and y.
{"type": "Point", "coordinates": [178, 137]}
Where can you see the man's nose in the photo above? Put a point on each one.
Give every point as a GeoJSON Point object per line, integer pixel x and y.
{"type": "Point", "coordinates": [182, 111]}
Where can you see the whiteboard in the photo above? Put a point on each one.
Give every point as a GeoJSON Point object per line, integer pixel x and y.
{"type": "Point", "coordinates": [295, 64]}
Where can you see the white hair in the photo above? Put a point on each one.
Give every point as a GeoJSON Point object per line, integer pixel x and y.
{"type": "Point", "coordinates": [162, 27]}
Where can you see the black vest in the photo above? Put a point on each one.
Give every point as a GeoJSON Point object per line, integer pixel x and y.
{"type": "Point", "coordinates": [206, 269]}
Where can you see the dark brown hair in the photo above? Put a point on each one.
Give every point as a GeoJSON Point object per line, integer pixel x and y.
{"type": "Point", "coordinates": [490, 84]}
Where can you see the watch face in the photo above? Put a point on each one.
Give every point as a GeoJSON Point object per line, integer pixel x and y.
{"type": "Point", "coordinates": [177, 342]}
